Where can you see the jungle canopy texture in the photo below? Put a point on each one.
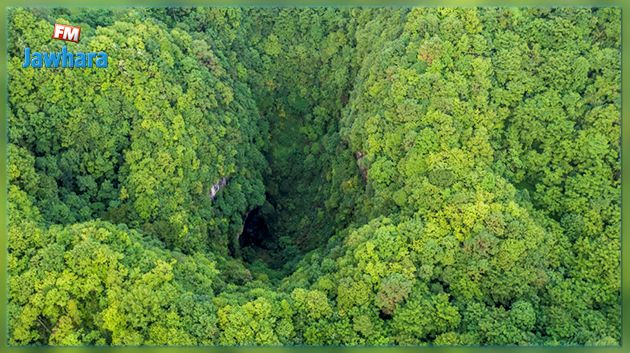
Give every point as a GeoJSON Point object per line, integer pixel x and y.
{"type": "Point", "coordinates": [317, 176]}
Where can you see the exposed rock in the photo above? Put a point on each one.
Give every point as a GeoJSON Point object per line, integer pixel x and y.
{"type": "Point", "coordinates": [362, 168]}
{"type": "Point", "coordinates": [216, 187]}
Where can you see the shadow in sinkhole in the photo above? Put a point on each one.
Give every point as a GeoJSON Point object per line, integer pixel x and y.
{"type": "Point", "coordinates": [257, 243]}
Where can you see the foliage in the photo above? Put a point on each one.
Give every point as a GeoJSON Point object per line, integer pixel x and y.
{"type": "Point", "coordinates": [424, 176]}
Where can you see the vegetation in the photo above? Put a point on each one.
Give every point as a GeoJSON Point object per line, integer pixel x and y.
{"type": "Point", "coordinates": [317, 176]}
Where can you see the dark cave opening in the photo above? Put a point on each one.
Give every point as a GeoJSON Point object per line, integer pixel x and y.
{"type": "Point", "coordinates": [255, 231]}
{"type": "Point", "coordinates": [257, 243]}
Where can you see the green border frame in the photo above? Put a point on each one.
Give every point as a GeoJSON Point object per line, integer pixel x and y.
{"type": "Point", "coordinates": [625, 160]}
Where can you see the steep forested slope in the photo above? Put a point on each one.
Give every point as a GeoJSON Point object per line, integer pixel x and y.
{"type": "Point", "coordinates": [317, 176]}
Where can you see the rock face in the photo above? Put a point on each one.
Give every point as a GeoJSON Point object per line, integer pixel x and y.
{"type": "Point", "coordinates": [364, 171]}
{"type": "Point", "coordinates": [216, 187]}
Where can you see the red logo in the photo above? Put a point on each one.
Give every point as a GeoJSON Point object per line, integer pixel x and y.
{"type": "Point", "coordinates": [67, 33]}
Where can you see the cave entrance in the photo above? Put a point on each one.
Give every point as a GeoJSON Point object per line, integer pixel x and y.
{"type": "Point", "coordinates": [255, 231]}
{"type": "Point", "coordinates": [256, 242]}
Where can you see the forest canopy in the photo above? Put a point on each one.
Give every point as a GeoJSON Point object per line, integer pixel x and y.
{"type": "Point", "coordinates": [317, 176]}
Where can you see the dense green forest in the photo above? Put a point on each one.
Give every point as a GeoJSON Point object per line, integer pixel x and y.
{"type": "Point", "coordinates": [317, 176]}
